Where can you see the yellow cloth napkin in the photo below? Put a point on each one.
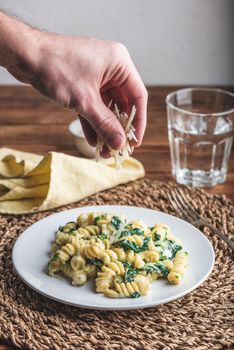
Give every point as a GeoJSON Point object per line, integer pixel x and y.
{"type": "Point", "coordinates": [31, 183]}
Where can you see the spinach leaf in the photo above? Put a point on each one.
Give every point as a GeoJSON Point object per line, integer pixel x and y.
{"type": "Point", "coordinates": [125, 244]}
{"type": "Point", "coordinates": [125, 233]}
{"type": "Point", "coordinates": [95, 262]}
{"type": "Point", "coordinates": [102, 236]}
{"type": "Point", "coordinates": [60, 228]}
{"type": "Point", "coordinates": [135, 295]}
{"type": "Point", "coordinates": [156, 267]}
{"type": "Point", "coordinates": [145, 244]}
{"type": "Point", "coordinates": [116, 222]}
{"type": "Point", "coordinates": [168, 249]}
{"type": "Point", "coordinates": [95, 221]}
{"type": "Point", "coordinates": [71, 222]}
{"type": "Point", "coordinates": [72, 232]}
{"type": "Point", "coordinates": [130, 274]}
{"type": "Point", "coordinates": [69, 227]}
{"type": "Point", "coordinates": [126, 263]}
{"type": "Point", "coordinates": [137, 231]}
{"type": "Point", "coordinates": [128, 226]}
{"type": "Point", "coordinates": [157, 237]}
{"type": "Point", "coordinates": [163, 270]}
{"type": "Point", "coordinates": [174, 247]}
{"type": "Point", "coordinates": [55, 257]}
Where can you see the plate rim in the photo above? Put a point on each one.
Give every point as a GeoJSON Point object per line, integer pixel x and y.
{"type": "Point", "coordinates": [114, 307]}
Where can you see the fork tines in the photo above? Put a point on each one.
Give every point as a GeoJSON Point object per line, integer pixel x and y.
{"type": "Point", "coordinates": [182, 206]}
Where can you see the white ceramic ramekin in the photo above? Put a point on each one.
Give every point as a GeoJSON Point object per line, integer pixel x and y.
{"type": "Point", "coordinates": [80, 140]}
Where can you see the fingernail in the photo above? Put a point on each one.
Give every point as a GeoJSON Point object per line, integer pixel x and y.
{"type": "Point", "coordinates": [115, 141]}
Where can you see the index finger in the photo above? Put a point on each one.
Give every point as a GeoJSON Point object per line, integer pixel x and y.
{"type": "Point", "coordinates": [136, 93]}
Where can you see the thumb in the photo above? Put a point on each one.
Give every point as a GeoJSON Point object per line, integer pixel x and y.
{"type": "Point", "coordinates": [106, 125]}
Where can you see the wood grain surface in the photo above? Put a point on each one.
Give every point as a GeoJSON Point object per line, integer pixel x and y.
{"type": "Point", "coordinates": [30, 122]}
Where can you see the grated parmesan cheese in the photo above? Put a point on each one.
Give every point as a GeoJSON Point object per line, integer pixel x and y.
{"type": "Point", "coordinates": [126, 122]}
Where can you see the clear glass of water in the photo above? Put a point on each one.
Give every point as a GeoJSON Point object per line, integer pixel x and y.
{"type": "Point", "coordinates": [201, 129]}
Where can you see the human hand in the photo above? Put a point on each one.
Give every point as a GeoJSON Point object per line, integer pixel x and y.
{"type": "Point", "coordinates": [84, 74]}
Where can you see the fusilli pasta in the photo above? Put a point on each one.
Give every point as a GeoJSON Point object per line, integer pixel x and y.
{"type": "Point", "coordinates": [123, 257]}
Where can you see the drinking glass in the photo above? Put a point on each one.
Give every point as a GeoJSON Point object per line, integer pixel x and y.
{"type": "Point", "coordinates": [200, 129]}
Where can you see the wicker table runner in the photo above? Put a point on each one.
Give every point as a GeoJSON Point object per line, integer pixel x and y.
{"type": "Point", "coordinates": [201, 320]}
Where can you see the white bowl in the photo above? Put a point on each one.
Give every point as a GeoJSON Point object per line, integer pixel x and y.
{"type": "Point", "coordinates": [81, 143]}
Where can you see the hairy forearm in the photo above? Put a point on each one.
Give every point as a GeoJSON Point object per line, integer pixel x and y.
{"type": "Point", "coordinates": [17, 41]}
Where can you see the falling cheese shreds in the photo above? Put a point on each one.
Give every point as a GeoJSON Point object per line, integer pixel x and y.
{"type": "Point", "coordinates": [126, 122]}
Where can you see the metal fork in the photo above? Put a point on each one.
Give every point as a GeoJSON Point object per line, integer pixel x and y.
{"type": "Point", "coordinates": [187, 212]}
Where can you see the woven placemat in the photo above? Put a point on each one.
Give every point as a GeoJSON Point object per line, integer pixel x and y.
{"type": "Point", "coordinates": [201, 320]}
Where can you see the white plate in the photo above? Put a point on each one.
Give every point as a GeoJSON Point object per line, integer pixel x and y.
{"type": "Point", "coordinates": [31, 254]}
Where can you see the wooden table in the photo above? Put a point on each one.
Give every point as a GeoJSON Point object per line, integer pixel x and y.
{"type": "Point", "coordinates": [29, 122]}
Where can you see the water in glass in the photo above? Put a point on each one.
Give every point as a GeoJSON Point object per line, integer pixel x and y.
{"type": "Point", "coordinates": [200, 128]}
{"type": "Point", "coordinates": [200, 158]}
